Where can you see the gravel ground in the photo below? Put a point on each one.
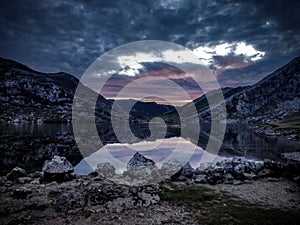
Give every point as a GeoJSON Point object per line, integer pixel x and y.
{"type": "Point", "coordinates": [269, 192]}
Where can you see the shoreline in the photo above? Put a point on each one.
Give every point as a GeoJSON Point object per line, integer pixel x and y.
{"type": "Point", "coordinates": [60, 203]}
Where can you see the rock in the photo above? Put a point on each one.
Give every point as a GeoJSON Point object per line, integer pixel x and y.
{"type": "Point", "coordinates": [238, 160]}
{"type": "Point", "coordinates": [106, 169]}
{"type": "Point", "coordinates": [16, 173]}
{"type": "Point", "coordinates": [3, 180]}
{"type": "Point", "coordinates": [277, 168]}
{"type": "Point", "coordinates": [148, 195]}
{"type": "Point", "coordinates": [36, 174]}
{"type": "Point", "coordinates": [200, 179]}
{"type": "Point", "coordinates": [139, 160]}
{"type": "Point", "coordinates": [228, 178]}
{"type": "Point", "coordinates": [186, 172]}
{"type": "Point", "coordinates": [226, 164]}
{"type": "Point", "coordinates": [24, 180]}
{"type": "Point", "coordinates": [259, 165]}
{"type": "Point", "coordinates": [81, 195]}
{"type": "Point", "coordinates": [36, 181]}
{"type": "Point", "coordinates": [142, 168]}
{"type": "Point", "coordinates": [249, 176]}
{"type": "Point", "coordinates": [57, 165]}
{"type": "Point", "coordinates": [119, 205]}
{"type": "Point", "coordinates": [264, 173]}
{"type": "Point", "coordinates": [295, 156]}
{"type": "Point", "coordinates": [214, 177]}
{"type": "Point", "coordinates": [57, 169]}
{"type": "Point", "coordinates": [171, 167]}
{"type": "Point", "coordinates": [238, 171]}
{"type": "Point", "coordinates": [21, 193]}
{"type": "Point", "coordinates": [203, 167]}
{"type": "Point", "coordinates": [217, 169]}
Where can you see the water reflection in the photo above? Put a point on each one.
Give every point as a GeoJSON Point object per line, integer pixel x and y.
{"type": "Point", "coordinates": [28, 145]}
{"type": "Point", "coordinates": [159, 151]}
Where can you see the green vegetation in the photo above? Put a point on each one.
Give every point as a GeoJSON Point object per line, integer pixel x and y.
{"type": "Point", "coordinates": [210, 207]}
{"type": "Point", "coordinates": [291, 122]}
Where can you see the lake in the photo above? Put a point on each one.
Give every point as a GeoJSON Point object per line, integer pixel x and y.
{"type": "Point", "coordinates": [28, 145]}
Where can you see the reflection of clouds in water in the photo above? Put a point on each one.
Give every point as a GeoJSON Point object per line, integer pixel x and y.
{"type": "Point", "coordinates": [120, 154]}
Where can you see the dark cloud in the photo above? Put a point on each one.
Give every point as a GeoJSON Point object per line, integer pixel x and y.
{"type": "Point", "coordinates": [68, 35]}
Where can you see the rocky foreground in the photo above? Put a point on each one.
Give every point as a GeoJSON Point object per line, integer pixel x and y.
{"type": "Point", "coordinates": [58, 196]}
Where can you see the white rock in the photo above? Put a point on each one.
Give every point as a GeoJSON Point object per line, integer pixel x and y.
{"type": "Point", "coordinates": [58, 165]}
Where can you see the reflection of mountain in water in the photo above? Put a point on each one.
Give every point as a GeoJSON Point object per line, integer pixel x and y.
{"type": "Point", "coordinates": [29, 145]}
{"type": "Point", "coordinates": [161, 150]}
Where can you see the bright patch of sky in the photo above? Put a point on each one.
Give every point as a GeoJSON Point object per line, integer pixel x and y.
{"type": "Point", "coordinates": [130, 63]}
{"type": "Point", "coordinates": [207, 52]}
{"type": "Point", "coordinates": [132, 67]}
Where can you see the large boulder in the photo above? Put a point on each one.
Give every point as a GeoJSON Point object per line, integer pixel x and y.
{"type": "Point", "coordinates": [16, 173]}
{"type": "Point", "coordinates": [238, 160]}
{"type": "Point", "coordinates": [171, 167]}
{"type": "Point", "coordinates": [226, 170]}
{"type": "Point", "coordinates": [187, 172]}
{"type": "Point", "coordinates": [215, 175]}
{"type": "Point", "coordinates": [203, 167]}
{"type": "Point", "coordinates": [139, 160]}
{"type": "Point", "coordinates": [254, 166]}
{"type": "Point", "coordinates": [83, 196]}
{"type": "Point", "coordinates": [226, 164]}
{"type": "Point", "coordinates": [213, 171]}
{"type": "Point", "coordinates": [239, 170]}
{"type": "Point", "coordinates": [58, 169]}
{"type": "Point", "coordinates": [106, 169]}
{"type": "Point", "coordinates": [142, 168]}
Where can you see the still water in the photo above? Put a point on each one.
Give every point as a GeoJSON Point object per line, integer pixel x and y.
{"type": "Point", "coordinates": [29, 145]}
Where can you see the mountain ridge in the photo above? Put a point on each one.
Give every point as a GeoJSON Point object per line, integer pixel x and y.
{"type": "Point", "coordinates": [29, 95]}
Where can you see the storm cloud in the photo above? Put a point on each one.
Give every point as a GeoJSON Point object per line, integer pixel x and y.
{"type": "Point", "coordinates": [52, 36]}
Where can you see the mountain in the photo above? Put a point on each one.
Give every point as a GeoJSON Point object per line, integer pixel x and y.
{"type": "Point", "coordinates": [201, 103]}
{"type": "Point", "coordinates": [27, 95]}
{"type": "Point", "coordinates": [30, 96]}
{"type": "Point", "coordinates": [276, 96]}
{"type": "Point", "coordinates": [147, 109]}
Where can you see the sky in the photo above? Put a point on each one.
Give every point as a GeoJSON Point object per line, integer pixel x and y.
{"type": "Point", "coordinates": [240, 41]}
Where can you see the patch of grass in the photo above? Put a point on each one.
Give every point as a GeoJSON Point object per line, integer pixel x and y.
{"type": "Point", "coordinates": [214, 208]}
{"type": "Point", "coordinates": [291, 122]}
{"type": "Point", "coordinates": [188, 194]}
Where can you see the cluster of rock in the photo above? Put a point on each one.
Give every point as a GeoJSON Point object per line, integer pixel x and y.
{"type": "Point", "coordinates": [22, 191]}
{"type": "Point", "coordinates": [58, 169]}
{"type": "Point", "coordinates": [141, 170]}
{"type": "Point", "coordinates": [294, 156]}
{"type": "Point", "coordinates": [30, 151]}
{"type": "Point", "coordinates": [93, 193]}
{"type": "Point", "coordinates": [237, 169]}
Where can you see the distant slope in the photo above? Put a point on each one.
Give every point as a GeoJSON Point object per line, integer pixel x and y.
{"type": "Point", "coordinates": [201, 105]}
{"type": "Point", "coordinates": [146, 108]}
{"type": "Point", "coordinates": [30, 96]}
{"type": "Point", "coordinates": [277, 96]}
